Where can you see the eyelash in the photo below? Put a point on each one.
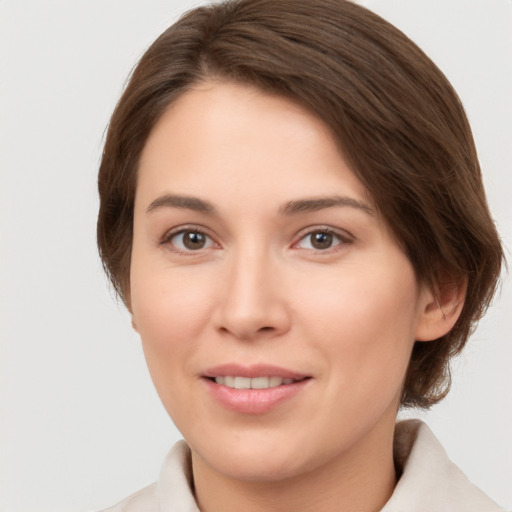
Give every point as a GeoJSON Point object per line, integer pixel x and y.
{"type": "Point", "coordinates": [343, 239]}
{"type": "Point", "coordinates": [167, 239]}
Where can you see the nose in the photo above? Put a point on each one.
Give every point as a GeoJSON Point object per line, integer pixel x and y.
{"type": "Point", "coordinates": [252, 302]}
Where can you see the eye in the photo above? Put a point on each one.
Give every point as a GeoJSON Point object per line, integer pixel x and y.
{"type": "Point", "coordinates": [321, 240]}
{"type": "Point", "coordinates": [188, 240]}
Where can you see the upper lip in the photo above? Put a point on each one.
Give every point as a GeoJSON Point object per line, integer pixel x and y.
{"type": "Point", "coordinates": [252, 371]}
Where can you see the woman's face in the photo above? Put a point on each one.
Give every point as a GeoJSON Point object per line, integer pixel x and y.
{"type": "Point", "coordinates": [260, 263]}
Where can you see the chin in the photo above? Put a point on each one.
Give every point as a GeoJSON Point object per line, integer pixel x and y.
{"type": "Point", "coordinates": [258, 459]}
{"type": "Point", "coordinates": [258, 469]}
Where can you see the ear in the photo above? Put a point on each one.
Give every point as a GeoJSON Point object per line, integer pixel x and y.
{"type": "Point", "coordinates": [440, 308]}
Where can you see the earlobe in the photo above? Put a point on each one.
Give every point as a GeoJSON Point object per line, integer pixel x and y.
{"type": "Point", "coordinates": [441, 309]}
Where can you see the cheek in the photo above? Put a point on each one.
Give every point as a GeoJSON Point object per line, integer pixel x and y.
{"type": "Point", "coordinates": [364, 325]}
{"type": "Point", "coordinates": [167, 305]}
{"type": "Point", "coordinates": [170, 313]}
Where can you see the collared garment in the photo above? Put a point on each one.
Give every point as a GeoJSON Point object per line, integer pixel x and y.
{"type": "Point", "coordinates": [429, 481]}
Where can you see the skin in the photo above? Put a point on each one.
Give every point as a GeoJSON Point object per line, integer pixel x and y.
{"type": "Point", "coordinates": [260, 291]}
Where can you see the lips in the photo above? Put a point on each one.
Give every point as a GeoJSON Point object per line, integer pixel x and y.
{"type": "Point", "coordinates": [252, 371]}
{"type": "Point", "coordinates": [255, 389]}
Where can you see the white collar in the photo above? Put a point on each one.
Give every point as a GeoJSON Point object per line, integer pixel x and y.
{"type": "Point", "coordinates": [429, 482]}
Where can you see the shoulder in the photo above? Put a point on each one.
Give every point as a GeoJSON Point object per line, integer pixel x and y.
{"type": "Point", "coordinates": [173, 491]}
{"type": "Point", "coordinates": [428, 480]}
{"type": "Point", "coordinates": [143, 500]}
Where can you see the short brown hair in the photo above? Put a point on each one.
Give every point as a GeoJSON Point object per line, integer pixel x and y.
{"type": "Point", "coordinates": [397, 119]}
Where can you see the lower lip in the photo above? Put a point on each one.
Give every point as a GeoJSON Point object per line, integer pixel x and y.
{"type": "Point", "coordinates": [254, 401]}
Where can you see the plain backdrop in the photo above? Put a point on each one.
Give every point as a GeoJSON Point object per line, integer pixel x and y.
{"type": "Point", "coordinates": [81, 425]}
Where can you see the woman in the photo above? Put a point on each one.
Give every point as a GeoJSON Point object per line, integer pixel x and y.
{"type": "Point", "coordinates": [292, 211]}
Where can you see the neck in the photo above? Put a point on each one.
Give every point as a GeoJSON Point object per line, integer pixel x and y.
{"type": "Point", "coordinates": [359, 481]}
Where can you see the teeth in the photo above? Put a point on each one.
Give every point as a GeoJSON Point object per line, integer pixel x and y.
{"type": "Point", "coordinates": [242, 383]}
{"type": "Point", "coordinates": [274, 381]}
{"type": "Point", "coordinates": [254, 383]}
{"type": "Point", "coordinates": [260, 383]}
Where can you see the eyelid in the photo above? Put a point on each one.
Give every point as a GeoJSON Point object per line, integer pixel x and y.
{"type": "Point", "coordinates": [345, 237]}
{"type": "Point", "coordinates": [171, 233]}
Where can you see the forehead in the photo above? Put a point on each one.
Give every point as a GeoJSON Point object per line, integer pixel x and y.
{"type": "Point", "coordinates": [224, 136]}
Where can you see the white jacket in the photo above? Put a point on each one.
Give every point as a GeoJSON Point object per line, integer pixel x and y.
{"type": "Point", "coordinates": [429, 482]}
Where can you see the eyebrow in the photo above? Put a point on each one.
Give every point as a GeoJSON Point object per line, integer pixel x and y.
{"type": "Point", "coordinates": [319, 203]}
{"type": "Point", "coordinates": [294, 207]}
{"type": "Point", "coordinates": [184, 202]}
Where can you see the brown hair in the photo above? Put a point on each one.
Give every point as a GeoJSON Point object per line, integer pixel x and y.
{"type": "Point", "coordinates": [397, 119]}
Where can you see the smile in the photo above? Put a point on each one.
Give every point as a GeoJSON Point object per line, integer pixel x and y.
{"type": "Point", "coordinates": [256, 389]}
{"type": "Point", "coordinates": [238, 382]}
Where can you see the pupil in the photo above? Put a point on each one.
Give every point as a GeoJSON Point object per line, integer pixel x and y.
{"type": "Point", "coordinates": [193, 240]}
{"type": "Point", "coordinates": [321, 240]}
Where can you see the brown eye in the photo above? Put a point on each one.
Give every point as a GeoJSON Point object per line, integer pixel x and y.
{"type": "Point", "coordinates": [190, 240]}
{"type": "Point", "coordinates": [321, 240]}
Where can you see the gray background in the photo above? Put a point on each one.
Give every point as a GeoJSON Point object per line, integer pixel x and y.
{"type": "Point", "coordinates": [81, 426]}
